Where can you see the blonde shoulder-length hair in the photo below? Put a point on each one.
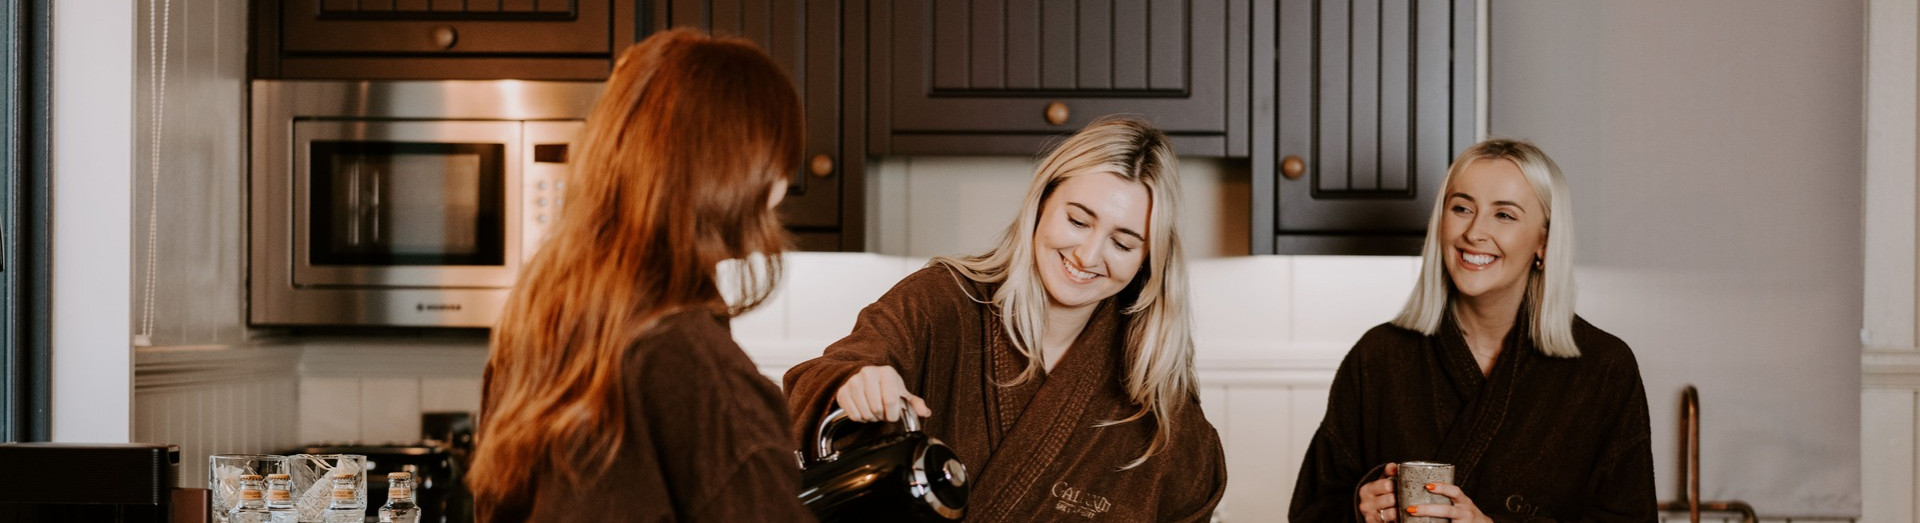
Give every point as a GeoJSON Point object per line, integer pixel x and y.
{"type": "Point", "coordinates": [1550, 290]}
{"type": "Point", "coordinates": [1159, 338]}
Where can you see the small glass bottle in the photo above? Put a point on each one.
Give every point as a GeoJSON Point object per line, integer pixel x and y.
{"type": "Point", "coordinates": [400, 507]}
{"type": "Point", "coordinates": [250, 508]}
{"type": "Point", "coordinates": [280, 507]}
{"type": "Point", "coordinates": [345, 507]}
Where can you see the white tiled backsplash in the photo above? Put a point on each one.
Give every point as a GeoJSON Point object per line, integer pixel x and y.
{"type": "Point", "coordinates": [1274, 313]}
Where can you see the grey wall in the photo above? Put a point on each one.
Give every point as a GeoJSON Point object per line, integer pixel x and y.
{"type": "Point", "coordinates": [1714, 152]}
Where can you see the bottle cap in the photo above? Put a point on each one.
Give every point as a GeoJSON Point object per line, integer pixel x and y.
{"type": "Point", "coordinates": [345, 475]}
{"type": "Point", "coordinates": [399, 475]}
{"type": "Point", "coordinates": [278, 476]}
{"type": "Point", "coordinates": [250, 477]}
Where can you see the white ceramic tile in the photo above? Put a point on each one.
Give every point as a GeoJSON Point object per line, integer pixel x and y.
{"type": "Point", "coordinates": [1257, 421]}
{"type": "Point", "coordinates": [827, 291]}
{"type": "Point", "coordinates": [329, 410]}
{"type": "Point", "coordinates": [450, 395]}
{"type": "Point", "coordinates": [1337, 298]}
{"type": "Point", "coordinates": [389, 410]}
{"type": "Point", "coordinates": [1213, 401]}
{"type": "Point", "coordinates": [1241, 300]}
{"type": "Point", "coordinates": [769, 320]}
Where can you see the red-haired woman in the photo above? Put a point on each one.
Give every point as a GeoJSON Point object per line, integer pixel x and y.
{"type": "Point", "coordinates": [614, 390]}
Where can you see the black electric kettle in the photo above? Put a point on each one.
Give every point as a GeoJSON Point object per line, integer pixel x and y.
{"type": "Point", "coordinates": [900, 476]}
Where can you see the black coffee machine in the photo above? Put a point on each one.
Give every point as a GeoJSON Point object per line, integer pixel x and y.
{"type": "Point", "coordinates": [897, 476]}
{"type": "Point", "coordinates": [105, 482]}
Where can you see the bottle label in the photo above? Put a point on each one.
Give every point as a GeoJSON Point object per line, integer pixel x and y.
{"type": "Point", "coordinates": [279, 495]}
{"type": "Point", "coordinates": [343, 493]}
{"type": "Point", "coordinates": [399, 493]}
{"type": "Point", "coordinates": [249, 494]}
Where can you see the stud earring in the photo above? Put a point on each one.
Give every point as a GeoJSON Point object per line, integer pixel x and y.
{"type": "Point", "coordinates": [1538, 264]}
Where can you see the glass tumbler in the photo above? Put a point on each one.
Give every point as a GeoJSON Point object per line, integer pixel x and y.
{"type": "Point", "coordinates": [223, 477]}
{"type": "Point", "coordinates": [312, 490]}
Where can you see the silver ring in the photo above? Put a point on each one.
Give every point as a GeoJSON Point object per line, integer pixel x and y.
{"type": "Point", "coordinates": [1382, 514]}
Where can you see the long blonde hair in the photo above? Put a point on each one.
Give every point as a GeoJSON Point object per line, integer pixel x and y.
{"type": "Point", "coordinates": [1550, 289]}
{"type": "Point", "coordinates": [1159, 366]}
{"type": "Point", "coordinates": [673, 176]}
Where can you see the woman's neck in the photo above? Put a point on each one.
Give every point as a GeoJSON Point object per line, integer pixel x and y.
{"type": "Point", "coordinates": [1063, 327]}
{"type": "Point", "coordinates": [1485, 322]}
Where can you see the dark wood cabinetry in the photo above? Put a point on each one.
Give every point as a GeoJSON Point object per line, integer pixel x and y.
{"type": "Point", "coordinates": [1365, 104]}
{"type": "Point", "coordinates": [1004, 76]}
{"type": "Point", "coordinates": [440, 39]}
{"type": "Point", "coordinates": [823, 206]}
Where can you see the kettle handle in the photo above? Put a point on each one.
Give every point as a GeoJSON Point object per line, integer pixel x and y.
{"type": "Point", "coordinates": [823, 439]}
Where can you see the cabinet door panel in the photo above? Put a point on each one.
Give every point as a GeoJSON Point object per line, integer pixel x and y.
{"type": "Point", "coordinates": [803, 36]}
{"type": "Point", "coordinates": [416, 26]}
{"type": "Point", "coordinates": [963, 76]}
{"type": "Point", "coordinates": [1374, 96]}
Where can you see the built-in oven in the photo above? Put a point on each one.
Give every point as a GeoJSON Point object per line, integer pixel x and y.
{"type": "Point", "coordinates": [402, 203]}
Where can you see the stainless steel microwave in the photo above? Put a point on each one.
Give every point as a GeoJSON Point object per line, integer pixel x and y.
{"type": "Point", "coordinates": [402, 203]}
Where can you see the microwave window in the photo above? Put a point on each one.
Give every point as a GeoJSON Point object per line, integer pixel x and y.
{"type": "Point", "coordinates": [405, 203]}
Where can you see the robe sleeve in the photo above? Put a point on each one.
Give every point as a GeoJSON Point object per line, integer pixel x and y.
{"type": "Point", "coordinates": [1622, 482]}
{"type": "Point", "coordinates": [1209, 477]}
{"type": "Point", "coordinates": [1332, 468]}
{"type": "Point", "coordinates": [895, 330]}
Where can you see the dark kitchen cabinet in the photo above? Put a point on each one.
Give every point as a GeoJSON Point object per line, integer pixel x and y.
{"type": "Point", "coordinates": [823, 206]}
{"type": "Point", "coordinates": [1005, 76]}
{"type": "Point", "coordinates": [440, 39]}
{"type": "Point", "coordinates": [1360, 108]}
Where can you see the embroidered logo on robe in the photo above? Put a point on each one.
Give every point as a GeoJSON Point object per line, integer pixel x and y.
{"type": "Point", "coordinates": [1078, 502]}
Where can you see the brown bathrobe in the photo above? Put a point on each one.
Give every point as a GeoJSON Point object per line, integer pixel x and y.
{"type": "Point", "coordinates": [1033, 451]}
{"type": "Point", "coordinates": [706, 440]}
{"type": "Point", "coordinates": [1536, 439]}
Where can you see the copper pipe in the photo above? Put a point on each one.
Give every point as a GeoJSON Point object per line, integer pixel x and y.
{"type": "Point", "coordinates": [1690, 468]}
{"type": "Point", "coordinates": [1691, 397]}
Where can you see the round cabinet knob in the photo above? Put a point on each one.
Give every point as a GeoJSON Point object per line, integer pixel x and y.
{"type": "Point", "coordinates": [820, 166]}
{"type": "Point", "coordinates": [444, 36]}
{"type": "Point", "coordinates": [1057, 113]}
{"type": "Point", "coordinates": [1293, 167]}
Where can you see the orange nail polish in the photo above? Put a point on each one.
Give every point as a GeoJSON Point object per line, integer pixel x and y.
{"type": "Point", "coordinates": [1431, 486]}
{"type": "Point", "coordinates": [1413, 510]}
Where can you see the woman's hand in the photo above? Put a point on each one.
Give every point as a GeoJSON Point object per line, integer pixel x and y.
{"type": "Point", "coordinates": [1377, 499]}
{"type": "Point", "coordinates": [1462, 508]}
{"type": "Point", "coordinates": [874, 393]}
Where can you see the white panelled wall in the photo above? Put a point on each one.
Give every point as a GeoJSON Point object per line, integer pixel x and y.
{"type": "Point", "coordinates": [1890, 363]}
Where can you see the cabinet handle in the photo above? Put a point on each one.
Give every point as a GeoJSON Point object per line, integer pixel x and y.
{"type": "Point", "coordinates": [1057, 113]}
{"type": "Point", "coordinates": [820, 166]}
{"type": "Point", "coordinates": [1293, 167]}
{"type": "Point", "coordinates": [444, 36]}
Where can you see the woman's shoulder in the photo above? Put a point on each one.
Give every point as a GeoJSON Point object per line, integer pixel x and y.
{"type": "Point", "coordinates": [693, 336]}
{"type": "Point", "coordinates": [941, 283]}
{"type": "Point", "coordinates": [1599, 346]}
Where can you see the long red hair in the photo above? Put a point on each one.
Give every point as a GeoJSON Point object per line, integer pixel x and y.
{"type": "Point", "coordinates": [672, 177]}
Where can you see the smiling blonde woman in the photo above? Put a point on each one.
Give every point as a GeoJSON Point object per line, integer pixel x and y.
{"type": "Point", "coordinates": [1059, 365]}
{"type": "Point", "coordinates": [1542, 415]}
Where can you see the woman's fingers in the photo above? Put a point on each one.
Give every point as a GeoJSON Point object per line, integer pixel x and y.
{"type": "Point", "coordinates": [874, 393]}
{"type": "Point", "coordinates": [919, 406]}
{"type": "Point", "coordinates": [1391, 470]}
{"type": "Point", "coordinates": [1377, 500]}
{"type": "Point", "coordinates": [1462, 508]}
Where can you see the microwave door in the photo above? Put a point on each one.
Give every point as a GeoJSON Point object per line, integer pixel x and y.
{"type": "Point", "coordinates": [406, 204]}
